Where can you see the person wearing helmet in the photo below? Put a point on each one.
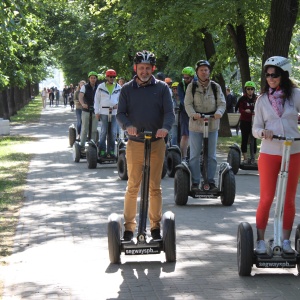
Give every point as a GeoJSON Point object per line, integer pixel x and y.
{"type": "Point", "coordinates": [207, 98]}
{"type": "Point", "coordinates": [246, 108]}
{"type": "Point", "coordinates": [188, 74]}
{"type": "Point", "coordinates": [107, 95]}
{"type": "Point", "coordinates": [276, 112]}
{"type": "Point", "coordinates": [160, 76]}
{"type": "Point", "coordinates": [144, 104]}
{"type": "Point", "coordinates": [168, 81]}
{"type": "Point", "coordinates": [86, 99]}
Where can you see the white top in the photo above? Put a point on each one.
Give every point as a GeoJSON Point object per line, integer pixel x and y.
{"type": "Point", "coordinates": [287, 125]}
{"type": "Point", "coordinates": [104, 98]}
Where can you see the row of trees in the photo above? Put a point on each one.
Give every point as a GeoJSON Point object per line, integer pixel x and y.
{"type": "Point", "coordinates": [235, 36]}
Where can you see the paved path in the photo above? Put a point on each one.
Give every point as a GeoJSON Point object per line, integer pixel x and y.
{"type": "Point", "coordinates": [60, 249]}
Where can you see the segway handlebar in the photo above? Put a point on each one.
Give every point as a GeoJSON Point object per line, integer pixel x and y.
{"type": "Point", "coordinates": [280, 137]}
{"type": "Point", "coordinates": [206, 115]}
{"type": "Point", "coordinates": [142, 134]}
{"type": "Point", "coordinates": [108, 107]}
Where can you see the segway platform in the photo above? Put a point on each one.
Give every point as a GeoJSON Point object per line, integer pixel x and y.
{"type": "Point", "coordinates": [135, 248]}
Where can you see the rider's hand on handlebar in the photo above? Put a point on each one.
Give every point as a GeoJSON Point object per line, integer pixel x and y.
{"type": "Point", "coordinates": [131, 130]}
{"type": "Point", "coordinates": [161, 133]}
{"type": "Point", "coordinates": [196, 116]}
{"type": "Point", "coordinates": [267, 134]}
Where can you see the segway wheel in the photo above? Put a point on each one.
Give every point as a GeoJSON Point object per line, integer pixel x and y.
{"type": "Point", "coordinates": [72, 136]}
{"type": "Point", "coordinates": [164, 169]}
{"type": "Point", "coordinates": [181, 187]}
{"type": "Point", "coordinates": [234, 160]}
{"type": "Point", "coordinates": [122, 166]}
{"type": "Point", "coordinates": [245, 251]}
{"type": "Point", "coordinates": [297, 245]}
{"type": "Point", "coordinates": [169, 236]}
{"type": "Point", "coordinates": [114, 238]}
{"type": "Point", "coordinates": [228, 189]}
{"type": "Point", "coordinates": [173, 159]}
{"type": "Point", "coordinates": [76, 152]}
{"type": "Point", "coordinates": [91, 157]}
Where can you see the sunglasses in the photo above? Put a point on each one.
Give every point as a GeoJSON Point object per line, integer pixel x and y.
{"type": "Point", "coordinates": [111, 76]}
{"type": "Point", "coordinates": [186, 78]}
{"type": "Point", "coordinates": [250, 89]}
{"type": "Point", "coordinates": [273, 75]}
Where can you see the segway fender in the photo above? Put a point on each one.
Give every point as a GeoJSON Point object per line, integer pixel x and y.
{"type": "Point", "coordinates": [236, 147]}
{"type": "Point", "coordinates": [114, 218]}
{"type": "Point", "coordinates": [175, 149]}
{"type": "Point", "coordinates": [92, 144]}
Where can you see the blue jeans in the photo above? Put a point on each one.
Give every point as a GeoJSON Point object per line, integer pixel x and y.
{"type": "Point", "coordinates": [196, 142]}
{"type": "Point", "coordinates": [104, 136]}
{"type": "Point", "coordinates": [174, 135]}
{"type": "Point", "coordinates": [78, 116]}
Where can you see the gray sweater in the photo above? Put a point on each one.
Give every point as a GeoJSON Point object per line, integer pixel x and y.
{"type": "Point", "coordinates": [147, 108]}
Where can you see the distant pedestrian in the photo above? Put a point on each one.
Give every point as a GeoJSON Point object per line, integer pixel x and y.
{"type": "Point", "coordinates": [230, 101]}
{"type": "Point", "coordinates": [56, 90]}
{"type": "Point", "coordinates": [65, 95]}
{"type": "Point", "coordinates": [44, 97]}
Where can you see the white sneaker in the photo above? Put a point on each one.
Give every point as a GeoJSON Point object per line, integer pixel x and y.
{"type": "Point", "coordinates": [261, 247]}
{"type": "Point", "coordinates": [286, 247]}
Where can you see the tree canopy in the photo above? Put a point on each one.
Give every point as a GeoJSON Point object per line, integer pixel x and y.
{"type": "Point", "coordinates": [80, 36]}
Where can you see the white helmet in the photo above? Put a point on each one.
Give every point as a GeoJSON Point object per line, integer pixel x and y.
{"type": "Point", "coordinates": [281, 62]}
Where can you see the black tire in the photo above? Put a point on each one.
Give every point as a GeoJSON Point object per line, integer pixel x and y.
{"type": "Point", "coordinates": [169, 236]}
{"type": "Point", "coordinates": [234, 160]}
{"type": "Point", "coordinates": [72, 136]}
{"type": "Point", "coordinates": [181, 187]}
{"type": "Point", "coordinates": [228, 190]}
{"type": "Point", "coordinates": [164, 169]}
{"type": "Point", "coordinates": [122, 166]}
{"type": "Point", "coordinates": [91, 157]}
{"type": "Point", "coordinates": [245, 249]}
{"type": "Point", "coordinates": [114, 239]}
{"type": "Point", "coordinates": [173, 159]}
{"type": "Point", "coordinates": [297, 244]}
{"type": "Point", "coordinates": [76, 152]}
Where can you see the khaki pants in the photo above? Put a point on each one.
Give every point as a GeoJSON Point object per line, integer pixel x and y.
{"type": "Point", "coordinates": [135, 160]}
{"type": "Point", "coordinates": [85, 117]}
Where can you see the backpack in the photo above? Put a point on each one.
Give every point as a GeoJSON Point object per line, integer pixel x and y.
{"type": "Point", "coordinates": [213, 86]}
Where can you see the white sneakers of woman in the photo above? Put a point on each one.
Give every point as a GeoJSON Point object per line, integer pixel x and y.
{"type": "Point", "coordinates": [261, 247]}
{"type": "Point", "coordinates": [286, 247]}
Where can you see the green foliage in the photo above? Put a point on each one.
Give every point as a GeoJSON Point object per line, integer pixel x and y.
{"type": "Point", "coordinates": [95, 35]}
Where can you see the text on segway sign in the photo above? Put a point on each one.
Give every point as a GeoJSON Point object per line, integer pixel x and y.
{"type": "Point", "coordinates": [142, 251]}
{"type": "Point", "coordinates": [284, 264]}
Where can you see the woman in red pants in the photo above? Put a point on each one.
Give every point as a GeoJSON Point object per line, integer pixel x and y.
{"type": "Point", "coordinates": [276, 112]}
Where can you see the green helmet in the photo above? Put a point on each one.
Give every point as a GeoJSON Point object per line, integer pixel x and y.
{"type": "Point", "coordinates": [250, 84]}
{"type": "Point", "coordinates": [188, 71]}
{"type": "Point", "coordinates": [93, 73]}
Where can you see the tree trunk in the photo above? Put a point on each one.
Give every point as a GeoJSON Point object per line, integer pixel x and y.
{"type": "Point", "coordinates": [279, 34]}
{"type": "Point", "coordinates": [209, 47]}
{"type": "Point", "coordinates": [4, 105]}
{"type": "Point", "coordinates": [239, 42]}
